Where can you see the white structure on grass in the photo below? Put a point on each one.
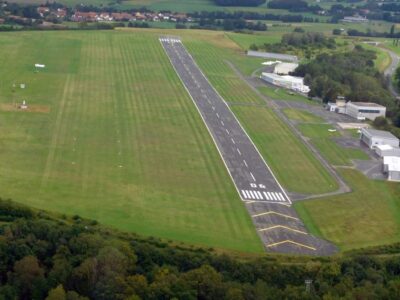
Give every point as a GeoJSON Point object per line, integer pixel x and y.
{"type": "Point", "coordinates": [285, 68]}
{"type": "Point", "coordinates": [365, 110]}
{"type": "Point", "coordinates": [286, 81]}
{"type": "Point", "coordinates": [391, 166]}
{"type": "Point", "coordinates": [373, 138]}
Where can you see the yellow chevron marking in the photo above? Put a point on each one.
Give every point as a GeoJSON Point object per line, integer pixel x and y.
{"type": "Point", "coordinates": [275, 213]}
{"type": "Point", "coordinates": [281, 226]}
{"type": "Point", "coordinates": [291, 242]}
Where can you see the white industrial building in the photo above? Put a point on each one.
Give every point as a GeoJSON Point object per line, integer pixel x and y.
{"type": "Point", "coordinates": [391, 166]}
{"type": "Point", "coordinates": [387, 150]}
{"type": "Point", "coordinates": [286, 81]}
{"type": "Point", "coordinates": [284, 68]}
{"type": "Point", "coordinates": [373, 138]}
{"type": "Point", "coordinates": [365, 110]}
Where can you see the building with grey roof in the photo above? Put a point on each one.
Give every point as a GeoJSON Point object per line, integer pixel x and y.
{"type": "Point", "coordinates": [373, 138]}
{"type": "Point", "coordinates": [365, 110]}
{"type": "Point", "coordinates": [276, 56]}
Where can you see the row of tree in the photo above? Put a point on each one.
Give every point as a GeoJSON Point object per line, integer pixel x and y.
{"type": "Point", "coordinates": [43, 257]}
{"type": "Point", "coordinates": [308, 43]}
{"type": "Point", "coordinates": [239, 2]}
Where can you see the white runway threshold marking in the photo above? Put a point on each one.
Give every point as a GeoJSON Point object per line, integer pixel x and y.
{"type": "Point", "coordinates": [260, 195]}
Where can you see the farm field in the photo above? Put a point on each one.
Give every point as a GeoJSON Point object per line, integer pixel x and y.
{"type": "Point", "coordinates": [112, 135]}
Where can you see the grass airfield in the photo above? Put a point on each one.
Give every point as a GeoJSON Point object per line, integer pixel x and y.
{"type": "Point", "coordinates": [112, 135]}
{"type": "Point", "coordinates": [122, 143]}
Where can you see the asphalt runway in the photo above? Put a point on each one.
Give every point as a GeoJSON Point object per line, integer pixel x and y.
{"type": "Point", "coordinates": [276, 222]}
{"type": "Point", "coordinates": [250, 173]}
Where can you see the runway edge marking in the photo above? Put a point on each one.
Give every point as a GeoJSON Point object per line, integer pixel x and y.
{"type": "Point", "coordinates": [223, 100]}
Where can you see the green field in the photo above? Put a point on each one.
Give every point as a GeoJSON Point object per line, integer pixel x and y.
{"type": "Point", "coordinates": [113, 136]}
{"type": "Point", "coordinates": [302, 116]}
{"type": "Point", "coordinates": [321, 137]}
{"type": "Point", "coordinates": [368, 216]}
{"type": "Point", "coordinates": [277, 93]}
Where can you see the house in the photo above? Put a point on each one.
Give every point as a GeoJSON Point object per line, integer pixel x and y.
{"type": "Point", "coordinates": [355, 19]}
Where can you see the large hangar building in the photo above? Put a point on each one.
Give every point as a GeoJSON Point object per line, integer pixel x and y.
{"type": "Point", "coordinates": [373, 138]}
{"type": "Point", "coordinates": [365, 110]}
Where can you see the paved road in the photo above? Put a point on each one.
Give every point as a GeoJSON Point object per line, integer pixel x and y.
{"type": "Point", "coordinates": [251, 175]}
{"type": "Point", "coordinates": [391, 69]}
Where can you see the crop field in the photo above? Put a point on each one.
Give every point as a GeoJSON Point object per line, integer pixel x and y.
{"type": "Point", "coordinates": [110, 134]}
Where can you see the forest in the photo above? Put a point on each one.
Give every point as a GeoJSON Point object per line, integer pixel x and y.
{"type": "Point", "coordinates": [46, 256]}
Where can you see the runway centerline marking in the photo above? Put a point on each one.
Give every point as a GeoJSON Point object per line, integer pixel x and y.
{"type": "Point", "coordinates": [199, 89]}
{"type": "Point", "coordinates": [252, 176]}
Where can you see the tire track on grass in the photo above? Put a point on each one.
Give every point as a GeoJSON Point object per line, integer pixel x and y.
{"type": "Point", "coordinates": [56, 133]}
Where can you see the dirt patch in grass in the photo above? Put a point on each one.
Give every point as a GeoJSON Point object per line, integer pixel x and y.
{"type": "Point", "coordinates": [36, 108]}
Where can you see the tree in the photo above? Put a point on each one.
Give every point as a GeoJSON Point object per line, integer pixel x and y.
{"type": "Point", "coordinates": [28, 276]}
{"type": "Point", "coordinates": [336, 31]}
{"type": "Point", "coordinates": [57, 293]}
{"type": "Point", "coordinates": [253, 47]}
{"type": "Point", "coordinates": [380, 122]}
